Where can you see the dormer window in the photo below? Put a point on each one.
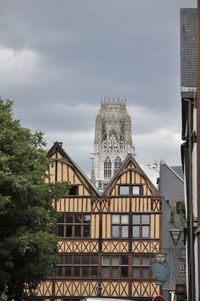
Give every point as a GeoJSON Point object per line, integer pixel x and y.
{"type": "Point", "coordinates": [124, 190]}
{"type": "Point", "coordinates": [135, 190]}
{"type": "Point", "coordinates": [130, 189]}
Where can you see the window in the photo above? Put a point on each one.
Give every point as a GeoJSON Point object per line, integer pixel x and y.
{"type": "Point", "coordinates": [140, 226]}
{"type": "Point", "coordinates": [183, 267]}
{"type": "Point", "coordinates": [141, 267]}
{"type": "Point", "coordinates": [77, 225]}
{"type": "Point", "coordinates": [113, 142]}
{"type": "Point", "coordinates": [73, 190]}
{"type": "Point", "coordinates": [115, 266]}
{"type": "Point", "coordinates": [135, 190]}
{"type": "Point", "coordinates": [118, 163]}
{"type": "Point", "coordinates": [124, 190]}
{"type": "Point", "coordinates": [180, 207]}
{"type": "Point", "coordinates": [78, 266]}
{"type": "Point", "coordinates": [107, 168]}
{"type": "Point", "coordinates": [130, 189]}
{"type": "Point", "coordinates": [120, 226]}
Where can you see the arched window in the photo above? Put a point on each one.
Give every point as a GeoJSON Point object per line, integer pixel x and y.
{"type": "Point", "coordinates": [113, 143]}
{"type": "Point", "coordinates": [107, 168]}
{"type": "Point", "coordinates": [118, 163]}
{"type": "Point", "coordinates": [121, 143]}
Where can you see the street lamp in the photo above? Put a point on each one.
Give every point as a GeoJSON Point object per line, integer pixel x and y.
{"type": "Point", "coordinates": [175, 235]}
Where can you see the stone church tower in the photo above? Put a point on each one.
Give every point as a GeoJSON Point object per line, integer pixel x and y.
{"type": "Point", "coordinates": [112, 142]}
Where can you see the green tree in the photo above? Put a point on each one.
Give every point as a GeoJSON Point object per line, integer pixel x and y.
{"type": "Point", "coordinates": [27, 241]}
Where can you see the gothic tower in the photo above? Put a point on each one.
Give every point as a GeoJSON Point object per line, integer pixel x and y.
{"type": "Point", "coordinates": [112, 142]}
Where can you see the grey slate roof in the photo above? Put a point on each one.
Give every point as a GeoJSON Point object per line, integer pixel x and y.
{"type": "Point", "coordinates": [188, 24]}
{"type": "Point", "coordinates": [178, 170]}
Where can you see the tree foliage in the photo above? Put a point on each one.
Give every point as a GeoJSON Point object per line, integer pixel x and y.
{"type": "Point", "coordinates": [27, 241]}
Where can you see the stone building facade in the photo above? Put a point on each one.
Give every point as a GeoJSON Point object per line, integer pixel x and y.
{"type": "Point", "coordinates": [112, 142]}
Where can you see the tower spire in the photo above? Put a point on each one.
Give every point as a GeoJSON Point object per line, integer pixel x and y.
{"type": "Point", "coordinates": [113, 140]}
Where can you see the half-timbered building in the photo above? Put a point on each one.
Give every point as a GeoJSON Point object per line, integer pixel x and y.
{"type": "Point", "coordinates": [106, 242]}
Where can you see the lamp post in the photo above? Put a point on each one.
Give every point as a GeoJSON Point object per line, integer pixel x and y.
{"type": "Point", "coordinates": [175, 235]}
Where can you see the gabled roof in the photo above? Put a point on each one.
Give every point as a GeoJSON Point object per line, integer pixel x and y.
{"type": "Point", "coordinates": [138, 169]}
{"type": "Point", "coordinates": [57, 146]}
{"type": "Point", "coordinates": [176, 170]}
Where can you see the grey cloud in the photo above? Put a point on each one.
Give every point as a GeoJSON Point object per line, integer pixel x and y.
{"type": "Point", "coordinates": [88, 49]}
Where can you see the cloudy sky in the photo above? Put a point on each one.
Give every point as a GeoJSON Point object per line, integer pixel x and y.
{"type": "Point", "coordinates": [59, 58]}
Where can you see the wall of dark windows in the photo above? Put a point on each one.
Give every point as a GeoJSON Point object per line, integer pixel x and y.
{"type": "Point", "coordinates": [141, 267]}
{"type": "Point", "coordinates": [115, 266]}
{"type": "Point", "coordinates": [73, 225]}
{"type": "Point", "coordinates": [78, 266]}
{"type": "Point", "coordinates": [111, 267]}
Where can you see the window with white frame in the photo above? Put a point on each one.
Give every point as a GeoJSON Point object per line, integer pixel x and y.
{"type": "Point", "coordinates": [120, 225]}
{"type": "Point", "coordinates": [140, 226]}
{"type": "Point", "coordinates": [130, 189]}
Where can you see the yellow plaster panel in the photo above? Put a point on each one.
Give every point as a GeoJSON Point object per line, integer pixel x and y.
{"type": "Point", "coordinates": [77, 181]}
{"type": "Point", "coordinates": [78, 246]}
{"type": "Point", "coordinates": [157, 226]}
{"type": "Point", "coordinates": [137, 178]}
{"type": "Point", "coordinates": [80, 190]}
{"type": "Point", "coordinates": [71, 175]}
{"type": "Point", "coordinates": [59, 156]}
{"type": "Point", "coordinates": [125, 205]}
{"type": "Point", "coordinates": [65, 177]}
{"type": "Point", "coordinates": [85, 192]}
{"type": "Point", "coordinates": [59, 172]}
{"type": "Point", "coordinates": [75, 288]}
{"type": "Point", "coordinates": [149, 191]}
{"type": "Point", "coordinates": [128, 180]}
{"type": "Point", "coordinates": [144, 187]}
{"type": "Point", "coordinates": [145, 289]}
{"type": "Point", "coordinates": [123, 178]}
{"type": "Point", "coordinates": [115, 246]}
{"type": "Point", "coordinates": [130, 165]}
{"type": "Point", "coordinates": [52, 172]}
{"type": "Point", "coordinates": [61, 205]}
{"type": "Point", "coordinates": [115, 289]}
{"type": "Point", "coordinates": [145, 246]}
{"type": "Point", "coordinates": [44, 289]}
{"type": "Point", "coordinates": [106, 226]}
{"type": "Point", "coordinates": [94, 226]}
{"type": "Point", "coordinates": [152, 226]}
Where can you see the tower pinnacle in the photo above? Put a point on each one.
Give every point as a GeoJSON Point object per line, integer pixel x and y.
{"type": "Point", "coordinates": [113, 140]}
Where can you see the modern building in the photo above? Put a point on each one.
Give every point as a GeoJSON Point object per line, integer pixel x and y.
{"type": "Point", "coordinates": [112, 142]}
{"type": "Point", "coordinates": [107, 241]}
{"type": "Point", "coordinates": [171, 187]}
